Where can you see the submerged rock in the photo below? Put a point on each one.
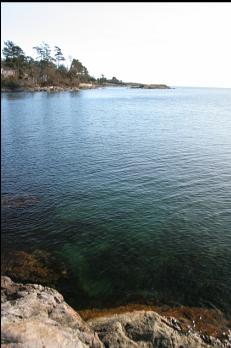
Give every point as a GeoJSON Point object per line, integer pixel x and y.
{"type": "Point", "coordinates": [18, 201]}
{"type": "Point", "coordinates": [34, 316]}
{"type": "Point", "coordinates": [38, 266]}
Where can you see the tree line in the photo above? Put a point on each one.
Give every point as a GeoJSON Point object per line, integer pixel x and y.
{"type": "Point", "coordinates": [47, 68]}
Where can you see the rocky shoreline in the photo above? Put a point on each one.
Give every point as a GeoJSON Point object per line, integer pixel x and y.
{"type": "Point", "coordinates": [148, 86]}
{"type": "Point", "coordinates": [35, 316]}
{"type": "Point", "coordinates": [51, 88]}
{"type": "Point", "coordinates": [80, 87]}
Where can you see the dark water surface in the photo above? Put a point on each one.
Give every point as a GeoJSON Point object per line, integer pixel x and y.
{"type": "Point", "coordinates": [130, 188]}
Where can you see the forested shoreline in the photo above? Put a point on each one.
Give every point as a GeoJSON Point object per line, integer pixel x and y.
{"type": "Point", "coordinates": [49, 68]}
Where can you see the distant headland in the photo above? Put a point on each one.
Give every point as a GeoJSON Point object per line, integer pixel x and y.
{"type": "Point", "coordinates": [48, 72]}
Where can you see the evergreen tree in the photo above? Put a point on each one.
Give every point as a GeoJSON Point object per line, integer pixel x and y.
{"type": "Point", "coordinates": [58, 55]}
{"type": "Point", "coordinates": [14, 56]}
{"type": "Point", "coordinates": [11, 51]}
{"type": "Point", "coordinates": [45, 60]}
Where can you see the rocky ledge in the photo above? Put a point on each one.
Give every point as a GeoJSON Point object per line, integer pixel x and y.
{"type": "Point", "coordinates": [148, 86]}
{"type": "Point", "coordinates": [34, 316]}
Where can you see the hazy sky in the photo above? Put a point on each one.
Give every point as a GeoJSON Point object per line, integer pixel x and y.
{"type": "Point", "coordinates": [180, 44]}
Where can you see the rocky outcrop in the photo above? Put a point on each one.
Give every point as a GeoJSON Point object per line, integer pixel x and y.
{"type": "Point", "coordinates": [16, 87]}
{"type": "Point", "coordinates": [87, 85]}
{"type": "Point", "coordinates": [53, 89]}
{"type": "Point", "coordinates": [148, 86]}
{"type": "Point", "coordinates": [34, 316]}
{"type": "Point", "coordinates": [147, 329]}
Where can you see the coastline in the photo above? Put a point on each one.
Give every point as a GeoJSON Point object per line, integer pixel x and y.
{"type": "Point", "coordinates": [32, 313]}
{"type": "Point", "coordinates": [48, 89]}
{"type": "Point", "coordinates": [39, 268]}
{"type": "Point", "coordinates": [89, 314]}
{"type": "Point", "coordinates": [81, 86]}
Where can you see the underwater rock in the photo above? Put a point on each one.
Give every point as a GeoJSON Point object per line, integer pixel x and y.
{"type": "Point", "coordinates": [38, 266]}
{"type": "Point", "coordinates": [18, 201]}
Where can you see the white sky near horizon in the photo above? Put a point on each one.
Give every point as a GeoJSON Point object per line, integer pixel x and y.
{"type": "Point", "coordinates": [179, 44]}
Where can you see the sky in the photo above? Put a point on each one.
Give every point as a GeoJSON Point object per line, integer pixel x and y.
{"type": "Point", "coordinates": [178, 44]}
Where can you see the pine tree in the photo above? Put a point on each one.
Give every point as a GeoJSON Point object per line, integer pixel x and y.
{"type": "Point", "coordinates": [58, 56]}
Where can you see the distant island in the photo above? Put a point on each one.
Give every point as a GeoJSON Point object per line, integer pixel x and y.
{"type": "Point", "coordinates": [20, 72]}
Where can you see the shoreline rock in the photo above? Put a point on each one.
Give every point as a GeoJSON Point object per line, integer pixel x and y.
{"type": "Point", "coordinates": [148, 86]}
{"type": "Point", "coordinates": [41, 89]}
{"type": "Point", "coordinates": [35, 316]}
{"type": "Point", "coordinates": [82, 86]}
{"type": "Point", "coordinates": [147, 329]}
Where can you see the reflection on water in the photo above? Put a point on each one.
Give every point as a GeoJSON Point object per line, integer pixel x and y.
{"type": "Point", "coordinates": [134, 192]}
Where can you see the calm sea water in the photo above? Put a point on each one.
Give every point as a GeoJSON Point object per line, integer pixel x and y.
{"type": "Point", "coordinates": [134, 190]}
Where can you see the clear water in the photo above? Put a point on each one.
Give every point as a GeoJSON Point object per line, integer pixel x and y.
{"type": "Point", "coordinates": [134, 188]}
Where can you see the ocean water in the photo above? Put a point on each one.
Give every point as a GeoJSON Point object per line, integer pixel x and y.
{"type": "Point", "coordinates": [132, 191]}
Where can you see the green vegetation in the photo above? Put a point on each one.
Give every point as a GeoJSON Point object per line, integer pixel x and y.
{"type": "Point", "coordinates": [19, 70]}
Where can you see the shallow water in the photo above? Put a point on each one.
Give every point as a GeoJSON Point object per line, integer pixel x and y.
{"type": "Point", "coordinates": [131, 189]}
